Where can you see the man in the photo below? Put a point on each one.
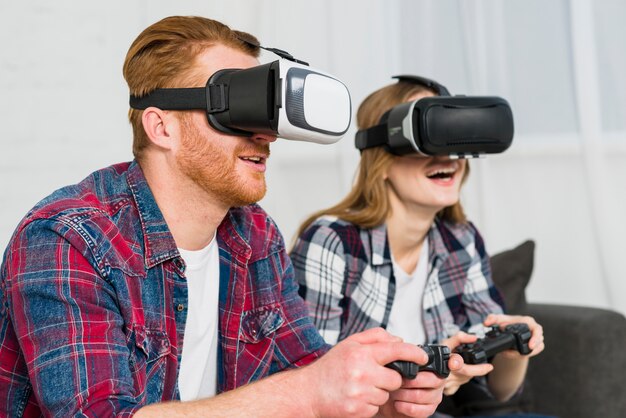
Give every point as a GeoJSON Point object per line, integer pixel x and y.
{"type": "Point", "coordinates": [105, 282]}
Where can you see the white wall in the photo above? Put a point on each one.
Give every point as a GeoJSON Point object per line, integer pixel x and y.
{"type": "Point", "coordinates": [560, 63]}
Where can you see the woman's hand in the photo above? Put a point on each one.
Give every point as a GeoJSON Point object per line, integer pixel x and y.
{"type": "Point", "coordinates": [536, 343]}
{"type": "Point", "coordinates": [459, 377]}
{"type": "Point", "coordinates": [510, 366]}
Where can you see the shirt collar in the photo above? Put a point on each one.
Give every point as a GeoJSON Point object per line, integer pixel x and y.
{"type": "Point", "coordinates": [438, 249]}
{"type": "Point", "coordinates": [159, 243]}
{"type": "Point", "coordinates": [381, 253]}
{"type": "Point", "coordinates": [379, 245]}
{"type": "Point", "coordinates": [231, 234]}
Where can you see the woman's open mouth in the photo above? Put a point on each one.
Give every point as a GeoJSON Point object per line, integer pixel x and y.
{"type": "Point", "coordinates": [443, 174]}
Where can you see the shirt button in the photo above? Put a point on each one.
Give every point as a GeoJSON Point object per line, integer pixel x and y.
{"type": "Point", "coordinates": [180, 307]}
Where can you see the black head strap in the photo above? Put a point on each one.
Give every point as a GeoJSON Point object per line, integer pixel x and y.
{"type": "Point", "coordinates": [440, 89]}
{"type": "Point", "coordinates": [376, 136]}
{"type": "Point", "coordinates": [185, 99]}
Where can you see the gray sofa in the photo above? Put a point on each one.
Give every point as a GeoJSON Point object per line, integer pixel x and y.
{"type": "Point", "coordinates": [582, 371]}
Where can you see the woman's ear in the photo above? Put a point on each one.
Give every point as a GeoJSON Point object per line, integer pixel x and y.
{"type": "Point", "coordinates": [156, 124]}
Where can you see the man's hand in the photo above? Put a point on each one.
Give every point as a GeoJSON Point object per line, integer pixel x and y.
{"type": "Point", "coordinates": [351, 380]}
{"type": "Point", "coordinates": [419, 397]}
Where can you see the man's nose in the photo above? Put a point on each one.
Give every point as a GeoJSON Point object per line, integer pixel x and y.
{"type": "Point", "coordinates": [263, 138]}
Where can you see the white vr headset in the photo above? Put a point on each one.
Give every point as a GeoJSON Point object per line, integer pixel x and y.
{"type": "Point", "coordinates": [285, 98]}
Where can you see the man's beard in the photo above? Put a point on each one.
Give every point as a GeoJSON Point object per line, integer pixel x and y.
{"type": "Point", "coordinates": [213, 169]}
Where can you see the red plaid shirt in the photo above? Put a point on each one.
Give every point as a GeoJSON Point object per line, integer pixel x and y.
{"type": "Point", "coordinates": [93, 302]}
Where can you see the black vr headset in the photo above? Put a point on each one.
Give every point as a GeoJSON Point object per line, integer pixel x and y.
{"type": "Point", "coordinates": [455, 126]}
{"type": "Point", "coordinates": [285, 98]}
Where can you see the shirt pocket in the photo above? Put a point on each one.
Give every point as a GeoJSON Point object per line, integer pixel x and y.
{"type": "Point", "coordinates": [260, 323]}
{"type": "Point", "coordinates": [257, 341]}
{"type": "Point", "coordinates": [150, 349]}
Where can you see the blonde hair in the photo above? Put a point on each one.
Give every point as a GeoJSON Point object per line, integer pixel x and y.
{"type": "Point", "coordinates": [367, 204]}
{"type": "Point", "coordinates": [163, 56]}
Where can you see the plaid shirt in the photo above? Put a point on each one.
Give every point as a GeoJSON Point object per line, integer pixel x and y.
{"type": "Point", "coordinates": [346, 276]}
{"type": "Point", "coordinates": [93, 302]}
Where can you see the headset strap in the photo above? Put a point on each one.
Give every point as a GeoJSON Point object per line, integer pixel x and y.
{"type": "Point", "coordinates": [375, 136]}
{"type": "Point", "coordinates": [440, 89]}
{"type": "Point", "coordinates": [184, 99]}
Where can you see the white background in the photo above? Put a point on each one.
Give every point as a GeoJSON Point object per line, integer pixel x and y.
{"type": "Point", "coordinates": [561, 64]}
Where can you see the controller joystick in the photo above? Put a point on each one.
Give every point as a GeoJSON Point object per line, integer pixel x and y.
{"type": "Point", "coordinates": [438, 356]}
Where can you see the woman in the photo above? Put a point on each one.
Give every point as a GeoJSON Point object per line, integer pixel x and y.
{"type": "Point", "coordinates": [398, 252]}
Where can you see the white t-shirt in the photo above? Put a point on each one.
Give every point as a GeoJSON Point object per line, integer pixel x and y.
{"type": "Point", "coordinates": [198, 367]}
{"type": "Point", "coordinates": [405, 318]}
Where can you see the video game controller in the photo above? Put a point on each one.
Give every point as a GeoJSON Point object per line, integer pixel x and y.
{"type": "Point", "coordinates": [514, 336]}
{"type": "Point", "coordinates": [438, 356]}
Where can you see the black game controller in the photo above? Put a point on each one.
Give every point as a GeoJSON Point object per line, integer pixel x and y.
{"type": "Point", "coordinates": [438, 356]}
{"type": "Point", "coordinates": [514, 336]}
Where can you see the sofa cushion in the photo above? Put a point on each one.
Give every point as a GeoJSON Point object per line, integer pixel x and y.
{"type": "Point", "coordinates": [511, 271]}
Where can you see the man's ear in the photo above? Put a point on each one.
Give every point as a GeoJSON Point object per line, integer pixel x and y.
{"type": "Point", "coordinates": [157, 125]}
